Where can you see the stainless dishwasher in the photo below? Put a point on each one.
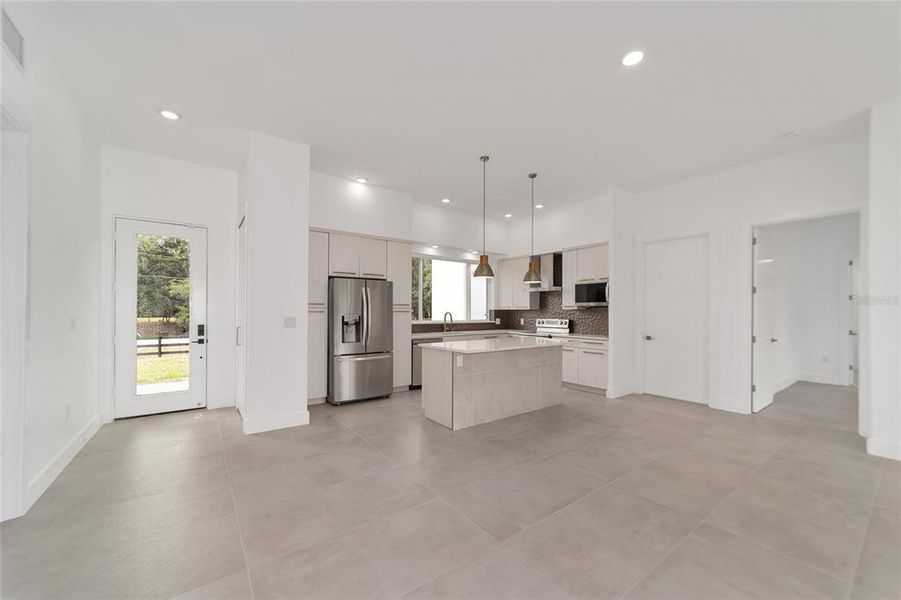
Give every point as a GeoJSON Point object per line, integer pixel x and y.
{"type": "Point", "coordinates": [417, 361]}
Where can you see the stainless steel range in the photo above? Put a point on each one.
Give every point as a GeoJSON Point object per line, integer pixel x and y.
{"type": "Point", "coordinates": [551, 326]}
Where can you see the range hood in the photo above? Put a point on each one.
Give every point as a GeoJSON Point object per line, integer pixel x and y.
{"type": "Point", "coordinates": [550, 267]}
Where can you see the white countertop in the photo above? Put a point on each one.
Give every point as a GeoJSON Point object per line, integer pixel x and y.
{"type": "Point", "coordinates": [453, 334]}
{"type": "Point", "coordinates": [502, 344]}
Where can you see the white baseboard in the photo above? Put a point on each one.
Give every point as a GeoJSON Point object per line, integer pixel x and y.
{"type": "Point", "coordinates": [824, 379]}
{"type": "Point", "coordinates": [220, 402]}
{"type": "Point", "coordinates": [273, 422]}
{"type": "Point", "coordinates": [39, 484]}
{"type": "Point", "coordinates": [884, 448]}
{"type": "Point", "coordinates": [619, 393]}
{"type": "Point", "coordinates": [312, 401]}
{"type": "Point", "coordinates": [783, 384]}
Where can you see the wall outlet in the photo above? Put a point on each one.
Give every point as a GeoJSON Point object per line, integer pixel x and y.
{"type": "Point", "coordinates": [497, 321]}
{"type": "Point", "coordinates": [522, 321]}
{"type": "Point", "coordinates": [290, 322]}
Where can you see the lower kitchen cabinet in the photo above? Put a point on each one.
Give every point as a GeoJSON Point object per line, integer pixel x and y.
{"type": "Point", "coordinates": [585, 363]}
{"type": "Point", "coordinates": [317, 350]}
{"type": "Point", "coordinates": [571, 365]}
{"type": "Point", "coordinates": [593, 368]}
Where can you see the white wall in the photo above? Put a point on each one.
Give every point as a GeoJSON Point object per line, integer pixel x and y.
{"type": "Point", "coordinates": [277, 179]}
{"type": "Point", "coordinates": [156, 188]}
{"type": "Point", "coordinates": [826, 179]}
{"type": "Point", "coordinates": [812, 285]}
{"type": "Point", "coordinates": [880, 384]}
{"type": "Point", "coordinates": [60, 404]}
{"type": "Point", "coordinates": [343, 205]}
{"type": "Point", "coordinates": [457, 229]}
{"type": "Point", "coordinates": [577, 224]}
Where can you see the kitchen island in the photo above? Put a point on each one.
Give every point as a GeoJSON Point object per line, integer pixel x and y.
{"type": "Point", "coordinates": [469, 382]}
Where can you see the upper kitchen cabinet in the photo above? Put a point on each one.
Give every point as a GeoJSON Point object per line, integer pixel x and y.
{"type": "Point", "coordinates": [343, 255]}
{"type": "Point", "coordinates": [373, 258]}
{"type": "Point", "coordinates": [351, 256]}
{"type": "Point", "coordinates": [400, 256]}
{"type": "Point", "coordinates": [591, 264]}
{"type": "Point", "coordinates": [570, 260]}
{"type": "Point", "coordinates": [318, 269]}
{"type": "Point", "coordinates": [510, 293]}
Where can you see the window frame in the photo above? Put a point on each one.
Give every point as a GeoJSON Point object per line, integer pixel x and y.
{"type": "Point", "coordinates": [468, 263]}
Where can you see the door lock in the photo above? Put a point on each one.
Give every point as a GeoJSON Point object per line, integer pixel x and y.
{"type": "Point", "coordinates": [773, 340]}
{"type": "Point", "coordinates": [649, 338]}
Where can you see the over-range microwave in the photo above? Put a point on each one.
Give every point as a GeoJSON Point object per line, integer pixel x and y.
{"type": "Point", "coordinates": [592, 294]}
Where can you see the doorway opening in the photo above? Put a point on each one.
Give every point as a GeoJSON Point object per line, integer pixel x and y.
{"type": "Point", "coordinates": [804, 321]}
{"type": "Point", "coordinates": [161, 331]}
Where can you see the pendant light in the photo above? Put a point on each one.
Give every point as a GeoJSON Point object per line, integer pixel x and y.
{"type": "Point", "coordinates": [533, 277]}
{"type": "Point", "coordinates": [484, 269]}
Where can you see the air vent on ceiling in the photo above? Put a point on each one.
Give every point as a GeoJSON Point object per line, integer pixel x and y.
{"type": "Point", "coordinates": [12, 39]}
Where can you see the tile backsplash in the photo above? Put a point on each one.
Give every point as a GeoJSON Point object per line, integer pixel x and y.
{"type": "Point", "coordinates": [584, 320]}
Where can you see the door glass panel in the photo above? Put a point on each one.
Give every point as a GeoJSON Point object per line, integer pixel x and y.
{"type": "Point", "coordinates": [163, 313]}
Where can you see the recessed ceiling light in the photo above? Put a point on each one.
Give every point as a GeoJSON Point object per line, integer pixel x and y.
{"type": "Point", "coordinates": [361, 180]}
{"type": "Point", "coordinates": [445, 200]}
{"type": "Point", "coordinates": [169, 114]}
{"type": "Point", "coordinates": [507, 216]}
{"type": "Point", "coordinates": [633, 58]}
{"type": "Point", "coordinates": [435, 246]}
{"type": "Point", "coordinates": [539, 206]}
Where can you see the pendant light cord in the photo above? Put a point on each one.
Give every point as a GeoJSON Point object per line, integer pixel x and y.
{"type": "Point", "coordinates": [484, 160]}
{"type": "Point", "coordinates": [532, 252]}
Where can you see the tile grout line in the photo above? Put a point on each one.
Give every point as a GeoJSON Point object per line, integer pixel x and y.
{"type": "Point", "coordinates": [231, 490]}
{"type": "Point", "coordinates": [702, 521]}
{"type": "Point", "coordinates": [866, 529]}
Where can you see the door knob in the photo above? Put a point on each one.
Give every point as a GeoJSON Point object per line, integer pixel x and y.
{"type": "Point", "coordinates": [773, 340]}
{"type": "Point", "coordinates": [649, 338]}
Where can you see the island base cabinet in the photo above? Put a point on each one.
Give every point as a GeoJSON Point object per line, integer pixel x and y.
{"type": "Point", "coordinates": [461, 390]}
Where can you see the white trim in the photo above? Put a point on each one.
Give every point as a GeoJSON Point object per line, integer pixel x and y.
{"type": "Point", "coordinates": [884, 448]}
{"type": "Point", "coordinates": [314, 401]}
{"type": "Point", "coordinates": [785, 383]}
{"type": "Point", "coordinates": [40, 482]}
{"type": "Point", "coordinates": [617, 393]}
{"type": "Point", "coordinates": [748, 298]}
{"type": "Point", "coordinates": [272, 422]}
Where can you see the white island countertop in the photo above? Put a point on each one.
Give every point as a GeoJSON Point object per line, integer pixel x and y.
{"type": "Point", "coordinates": [501, 344]}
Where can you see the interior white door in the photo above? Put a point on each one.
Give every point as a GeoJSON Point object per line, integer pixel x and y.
{"type": "Point", "coordinates": [764, 338]}
{"type": "Point", "coordinates": [675, 318]}
{"type": "Point", "coordinates": [161, 328]}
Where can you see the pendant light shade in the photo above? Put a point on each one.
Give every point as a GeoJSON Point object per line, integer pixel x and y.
{"type": "Point", "coordinates": [532, 277]}
{"type": "Point", "coordinates": [484, 269]}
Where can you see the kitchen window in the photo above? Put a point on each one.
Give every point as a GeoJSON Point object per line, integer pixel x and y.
{"type": "Point", "coordinates": [441, 286]}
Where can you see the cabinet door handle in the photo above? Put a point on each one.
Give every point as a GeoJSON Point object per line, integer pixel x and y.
{"type": "Point", "coordinates": [375, 274]}
{"type": "Point", "coordinates": [569, 350]}
{"type": "Point", "coordinates": [593, 352]}
{"type": "Point", "coordinates": [345, 272]}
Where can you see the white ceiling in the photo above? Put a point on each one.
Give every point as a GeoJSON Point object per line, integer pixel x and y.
{"type": "Point", "coordinates": [410, 95]}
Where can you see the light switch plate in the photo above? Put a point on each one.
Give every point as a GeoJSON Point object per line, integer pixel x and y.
{"type": "Point", "coordinates": [459, 361]}
{"type": "Point", "coordinates": [497, 321]}
{"type": "Point", "coordinates": [522, 321]}
{"type": "Point", "coordinates": [290, 322]}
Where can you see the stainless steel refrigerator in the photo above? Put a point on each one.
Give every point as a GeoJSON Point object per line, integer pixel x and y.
{"type": "Point", "coordinates": [360, 339]}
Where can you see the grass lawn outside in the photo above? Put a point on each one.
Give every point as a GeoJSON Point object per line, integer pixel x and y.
{"type": "Point", "coordinates": [157, 369]}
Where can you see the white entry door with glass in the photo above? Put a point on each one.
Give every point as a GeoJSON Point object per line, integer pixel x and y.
{"type": "Point", "coordinates": [160, 335]}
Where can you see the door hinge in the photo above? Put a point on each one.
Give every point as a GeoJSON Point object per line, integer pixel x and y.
{"type": "Point", "coordinates": [850, 263]}
{"type": "Point", "coordinates": [753, 241]}
{"type": "Point", "coordinates": [753, 289]}
{"type": "Point", "coordinates": [851, 297]}
{"type": "Point", "coordinates": [850, 367]}
{"type": "Point", "coordinates": [753, 339]}
{"type": "Point", "coordinates": [753, 388]}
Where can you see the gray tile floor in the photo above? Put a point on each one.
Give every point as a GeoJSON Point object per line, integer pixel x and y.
{"type": "Point", "coordinates": [640, 497]}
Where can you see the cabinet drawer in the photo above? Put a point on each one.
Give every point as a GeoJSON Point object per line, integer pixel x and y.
{"type": "Point", "coordinates": [593, 368]}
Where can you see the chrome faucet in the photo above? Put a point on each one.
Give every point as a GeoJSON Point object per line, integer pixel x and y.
{"type": "Point", "coordinates": [446, 315]}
